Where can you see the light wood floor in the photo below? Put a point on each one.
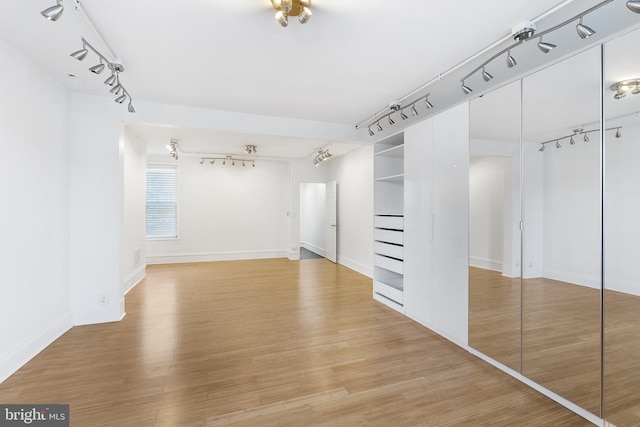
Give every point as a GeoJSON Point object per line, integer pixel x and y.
{"type": "Point", "coordinates": [266, 343]}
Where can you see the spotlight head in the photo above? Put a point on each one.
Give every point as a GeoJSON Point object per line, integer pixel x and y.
{"type": "Point", "coordinates": [281, 17]}
{"type": "Point", "coordinates": [584, 31]}
{"type": "Point", "coordinates": [466, 89]}
{"type": "Point", "coordinates": [80, 54]}
{"type": "Point", "coordinates": [121, 99]}
{"type": "Point", "coordinates": [414, 111]}
{"type": "Point", "coordinates": [391, 122]}
{"type": "Point", "coordinates": [403, 116]}
{"type": "Point", "coordinates": [485, 75]}
{"type": "Point", "coordinates": [116, 89]}
{"type": "Point", "coordinates": [371, 133]}
{"type": "Point", "coordinates": [634, 6]}
{"type": "Point", "coordinates": [511, 61]}
{"type": "Point", "coordinates": [54, 12]}
{"type": "Point", "coordinates": [378, 126]}
{"type": "Point", "coordinates": [201, 161]}
{"type": "Point", "coordinates": [427, 103]}
{"type": "Point", "coordinates": [97, 69]}
{"type": "Point", "coordinates": [586, 138]}
{"type": "Point", "coordinates": [541, 148]}
{"type": "Point", "coordinates": [558, 144]}
{"type": "Point", "coordinates": [131, 108]}
{"type": "Point", "coordinates": [111, 80]}
{"type": "Point", "coordinates": [572, 141]}
{"type": "Point", "coordinates": [618, 133]}
{"type": "Point", "coordinates": [619, 95]}
{"type": "Point", "coordinates": [546, 47]}
{"type": "Point", "coordinates": [305, 15]}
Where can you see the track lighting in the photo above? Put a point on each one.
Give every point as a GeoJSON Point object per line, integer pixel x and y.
{"type": "Point", "coordinates": [634, 6]}
{"type": "Point", "coordinates": [54, 12]}
{"type": "Point", "coordinates": [379, 127]}
{"type": "Point", "coordinates": [305, 15]}
{"type": "Point", "coordinates": [485, 75]}
{"type": "Point", "coordinates": [558, 144]}
{"type": "Point", "coordinates": [584, 31]}
{"type": "Point", "coordinates": [545, 47]}
{"type": "Point", "coordinates": [427, 103]}
{"type": "Point", "coordinates": [586, 138]}
{"type": "Point", "coordinates": [173, 148]}
{"type": "Point", "coordinates": [113, 80]}
{"type": "Point", "coordinates": [572, 141]}
{"type": "Point", "coordinates": [577, 132]}
{"type": "Point", "coordinates": [281, 17]}
{"type": "Point", "coordinates": [511, 61]}
{"type": "Point", "coordinates": [618, 133]}
{"type": "Point", "coordinates": [466, 89]}
{"type": "Point", "coordinates": [97, 69]}
{"type": "Point", "coordinates": [226, 158]}
{"type": "Point", "coordinates": [371, 133]}
{"type": "Point", "coordinates": [414, 111]}
{"type": "Point", "coordinates": [541, 148]}
{"type": "Point", "coordinates": [403, 116]}
{"type": "Point", "coordinates": [321, 156]}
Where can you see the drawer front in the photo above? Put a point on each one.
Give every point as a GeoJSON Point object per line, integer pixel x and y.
{"type": "Point", "coordinates": [388, 263]}
{"type": "Point", "coordinates": [390, 236]}
{"type": "Point", "coordinates": [388, 250]}
{"type": "Point", "coordinates": [388, 291]}
{"type": "Point", "coordinates": [393, 222]}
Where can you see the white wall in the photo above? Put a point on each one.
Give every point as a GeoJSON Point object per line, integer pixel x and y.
{"type": "Point", "coordinates": [34, 242]}
{"type": "Point", "coordinates": [354, 175]}
{"type": "Point", "coordinates": [486, 211]}
{"type": "Point", "coordinates": [571, 213]}
{"type": "Point", "coordinates": [133, 252]}
{"type": "Point", "coordinates": [313, 204]}
{"type": "Point", "coordinates": [226, 212]}
{"type": "Point", "coordinates": [622, 204]}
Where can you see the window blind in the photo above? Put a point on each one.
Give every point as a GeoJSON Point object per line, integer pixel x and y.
{"type": "Point", "coordinates": [162, 203]}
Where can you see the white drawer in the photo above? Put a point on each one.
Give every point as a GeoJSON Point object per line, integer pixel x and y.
{"type": "Point", "coordinates": [388, 291]}
{"type": "Point", "coordinates": [390, 236]}
{"type": "Point", "coordinates": [388, 263]}
{"type": "Point", "coordinates": [394, 251]}
{"type": "Point", "coordinates": [393, 222]}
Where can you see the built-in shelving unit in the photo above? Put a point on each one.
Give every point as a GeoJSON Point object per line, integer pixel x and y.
{"type": "Point", "coordinates": [388, 172]}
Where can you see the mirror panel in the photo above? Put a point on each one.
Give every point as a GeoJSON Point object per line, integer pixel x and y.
{"type": "Point", "coordinates": [561, 291]}
{"type": "Point", "coordinates": [622, 234]}
{"type": "Point", "coordinates": [494, 233]}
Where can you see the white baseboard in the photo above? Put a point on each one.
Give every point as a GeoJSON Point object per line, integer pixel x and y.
{"type": "Point", "coordinates": [485, 263]}
{"type": "Point", "coordinates": [134, 278]}
{"type": "Point", "coordinates": [575, 279]}
{"type": "Point", "coordinates": [214, 256]}
{"type": "Point", "coordinates": [313, 248]}
{"type": "Point", "coordinates": [22, 352]}
{"type": "Point", "coordinates": [367, 270]}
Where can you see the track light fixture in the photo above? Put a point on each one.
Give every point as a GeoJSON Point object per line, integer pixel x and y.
{"type": "Point", "coordinates": [634, 6]}
{"type": "Point", "coordinates": [391, 122]}
{"type": "Point", "coordinates": [485, 75]}
{"type": "Point", "coordinates": [403, 116]}
{"type": "Point", "coordinates": [624, 87]}
{"type": "Point", "coordinates": [523, 35]}
{"type": "Point", "coordinates": [227, 158]}
{"type": "Point", "coordinates": [576, 132]}
{"type": "Point", "coordinates": [286, 8]}
{"type": "Point", "coordinates": [371, 133]}
{"type": "Point", "coordinates": [545, 47]}
{"type": "Point", "coordinates": [584, 31]}
{"type": "Point", "coordinates": [54, 12]}
{"type": "Point", "coordinates": [250, 149]}
{"type": "Point", "coordinates": [113, 80]}
{"type": "Point", "coordinates": [414, 111]}
{"type": "Point", "coordinates": [173, 149]}
{"type": "Point", "coordinates": [323, 154]}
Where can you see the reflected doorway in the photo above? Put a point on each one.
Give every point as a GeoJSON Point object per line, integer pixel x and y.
{"type": "Point", "coordinates": [318, 220]}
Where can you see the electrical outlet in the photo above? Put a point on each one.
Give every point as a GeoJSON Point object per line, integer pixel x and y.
{"type": "Point", "coordinates": [103, 300]}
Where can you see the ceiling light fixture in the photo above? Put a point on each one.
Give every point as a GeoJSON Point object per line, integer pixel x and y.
{"type": "Point", "coordinates": [525, 33]}
{"type": "Point", "coordinates": [113, 80]}
{"type": "Point", "coordinates": [173, 148]}
{"type": "Point", "coordinates": [634, 6]}
{"type": "Point", "coordinates": [54, 12]}
{"type": "Point", "coordinates": [584, 31]}
{"type": "Point", "coordinates": [546, 47]}
{"type": "Point", "coordinates": [227, 157]}
{"type": "Point", "coordinates": [427, 103]}
{"type": "Point", "coordinates": [558, 144]}
{"type": "Point", "coordinates": [250, 149]}
{"type": "Point", "coordinates": [286, 8]}
{"type": "Point", "coordinates": [379, 127]}
{"type": "Point", "coordinates": [580, 131]}
{"type": "Point", "coordinates": [371, 133]}
{"type": "Point", "coordinates": [323, 154]}
{"type": "Point", "coordinates": [403, 116]}
{"type": "Point", "coordinates": [618, 133]}
{"type": "Point", "coordinates": [414, 110]}
{"type": "Point", "coordinates": [391, 122]}
{"type": "Point", "coordinates": [624, 87]}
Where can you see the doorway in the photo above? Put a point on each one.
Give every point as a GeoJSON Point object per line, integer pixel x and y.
{"type": "Point", "coordinates": [318, 221]}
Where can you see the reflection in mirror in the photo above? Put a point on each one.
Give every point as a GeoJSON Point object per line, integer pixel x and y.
{"type": "Point", "coordinates": [622, 234]}
{"type": "Point", "coordinates": [494, 234]}
{"type": "Point", "coordinates": [562, 223]}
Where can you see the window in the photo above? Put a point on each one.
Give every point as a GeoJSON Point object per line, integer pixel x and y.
{"type": "Point", "coordinates": [162, 203]}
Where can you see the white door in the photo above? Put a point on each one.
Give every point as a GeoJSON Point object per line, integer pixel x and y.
{"type": "Point", "coordinates": [331, 223]}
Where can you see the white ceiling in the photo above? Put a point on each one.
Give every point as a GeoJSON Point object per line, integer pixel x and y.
{"type": "Point", "coordinates": [349, 61]}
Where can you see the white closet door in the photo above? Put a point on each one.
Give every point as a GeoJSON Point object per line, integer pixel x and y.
{"type": "Point", "coordinates": [418, 181]}
{"type": "Point", "coordinates": [331, 222]}
{"type": "Point", "coordinates": [451, 222]}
